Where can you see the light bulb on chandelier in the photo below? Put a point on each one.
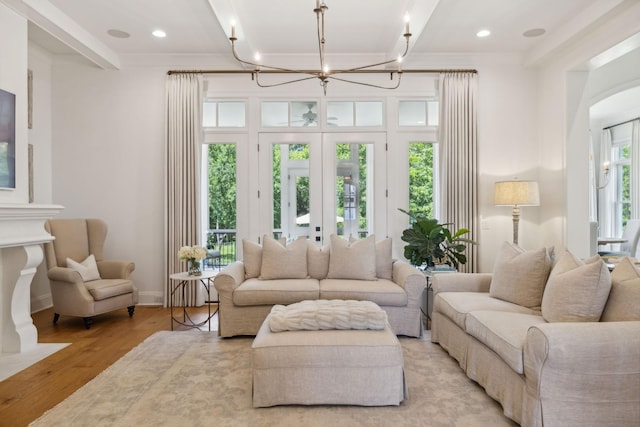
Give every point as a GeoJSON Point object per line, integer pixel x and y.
{"type": "Point", "coordinates": [324, 73]}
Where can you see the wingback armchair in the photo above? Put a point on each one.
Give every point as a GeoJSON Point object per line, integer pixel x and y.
{"type": "Point", "coordinates": [83, 283]}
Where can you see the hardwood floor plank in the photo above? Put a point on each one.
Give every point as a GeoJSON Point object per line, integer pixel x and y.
{"type": "Point", "coordinates": [28, 394]}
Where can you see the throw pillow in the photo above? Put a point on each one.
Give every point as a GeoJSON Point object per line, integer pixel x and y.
{"type": "Point", "coordinates": [317, 260]}
{"type": "Point", "coordinates": [624, 299]}
{"type": "Point", "coordinates": [88, 268]}
{"type": "Point", "coordinates": [384, 262]}
{"type": "Point", "coordinates": [252, 258]}
{"type": "Point", "coordinates": [519, 276]}
{"type": "Point", "coordinates": [280, 262]}
{"type": "Point", "coordinates": [576, 291]}
{"type": "Point", "coordinates": [355, 260]}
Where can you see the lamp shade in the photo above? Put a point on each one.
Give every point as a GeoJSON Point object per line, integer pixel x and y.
{"type": "Point", "coordinates": [516, 193]}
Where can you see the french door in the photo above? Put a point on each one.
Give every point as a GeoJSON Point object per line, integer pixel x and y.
{"type": "Point", "coordinates": [318, 184]}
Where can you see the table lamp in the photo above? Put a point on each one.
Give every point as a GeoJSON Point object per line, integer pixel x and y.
{"type": "Point", "coordinates": [516, 193]}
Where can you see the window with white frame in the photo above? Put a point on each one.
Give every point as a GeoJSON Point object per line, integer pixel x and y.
{"type": "Point", "coordinates": [621, 175]}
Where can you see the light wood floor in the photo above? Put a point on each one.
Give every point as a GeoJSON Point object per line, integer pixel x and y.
{"type": "Point", "coordinates": [30, 393]}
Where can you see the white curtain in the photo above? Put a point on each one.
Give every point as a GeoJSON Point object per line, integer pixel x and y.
{"type": "Point", "coordinates": [458, 139]}
{"type": "Point", "coordinates": [635, 170]}
{"type": "Point", "coordinates": [184, 136]}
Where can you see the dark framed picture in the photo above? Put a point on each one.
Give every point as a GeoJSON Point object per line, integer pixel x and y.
{"type": "Point", "coordinates": [7, 139]}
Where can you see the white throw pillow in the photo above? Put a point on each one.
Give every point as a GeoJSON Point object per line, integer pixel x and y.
{"type": "Point", "coordinates": [576, 291]}
{"type": "Point", "coordinates": [317, 260]}
{"type": "Point", "coordinates": [88, 268]}
{"type": "Point", "coordinates": [355, 260]}
{"type": "Point", "coordinates": [280, 262]}
{"type": "Point", "coordinates": [384, 262]}
{"type": "Point", "coordinates": [519, 276]}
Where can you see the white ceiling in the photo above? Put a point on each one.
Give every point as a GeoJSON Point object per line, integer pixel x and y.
{"type": "Point", "coordinates": [354, 27]}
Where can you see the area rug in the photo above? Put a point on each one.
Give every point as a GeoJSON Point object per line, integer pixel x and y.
{"type": "Point", "coordinates": [198, 379]}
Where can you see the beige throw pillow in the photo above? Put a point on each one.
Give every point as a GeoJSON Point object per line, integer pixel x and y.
{"type": "Point", "coordinates": [576, 291]}
{"type": "Point", "coordinates": [519, 276]}
{"type": "Point", "coordinates": [624, 299]}
{"type": "Point", "coordinates": [317, 260]}
{"type": "Point", "coordinates": [280, 262]}
{"type": "Point", "coordinates": [355, 260]}
{"type": "Point", "coordinates": [384, 262]}
{"type": "Point", "coordinates": [252, 258]}
{"type": "Point", "coordinates": [88, 268]}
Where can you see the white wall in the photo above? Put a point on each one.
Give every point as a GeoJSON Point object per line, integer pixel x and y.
{"type": "Point", "coordinates": [108, 151]}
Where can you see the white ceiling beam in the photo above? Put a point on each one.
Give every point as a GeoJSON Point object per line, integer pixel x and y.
{"type": "Point", "coordinates": [226, 13]}
{"type": "Point", "coordinates": [59, 25]}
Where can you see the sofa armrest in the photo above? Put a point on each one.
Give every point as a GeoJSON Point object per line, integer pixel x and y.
{"type": "Point", "coordinates": [64, 274]}
{"type": "Point", "coordinates": [229, 278]}
{"type": "Point", "coordinates": [411, 280]}
{"type": "Point", "coordinates": [115, 269]}
{"type": "Point", "coordinates": [460, 282]}
{"type": "Point", "coordinates": [584, 373]}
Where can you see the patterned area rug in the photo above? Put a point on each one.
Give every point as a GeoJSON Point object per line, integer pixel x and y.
{"type": "Point", "coordinates": [197, 379]}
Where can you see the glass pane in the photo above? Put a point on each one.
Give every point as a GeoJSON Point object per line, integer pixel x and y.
{"type": "Point", "coordinates": [412, 113]}
{"type": "Point", "coordinates": [433, 113]}
{"type": "Point", "coordinates": [209, 114]}
{"type": "Point", "coordinates": [340, 113]}
{"type": "Point", "coordinates": [275, 114]}
{"type": "Point", "coordinates": [231, 114]}
{"type": "Point", "coordinates": [304, 114]}
{"type": "Point", "coordinates": [291, 190]}
{"type": "Point", "coordinates": [222, 202]}
{"type": "Point", "coordinates": [421, 173]}
{"type": "Point", "coordinates": [352, 189]}
{"type": "Point", "coordinates": [369, 113]}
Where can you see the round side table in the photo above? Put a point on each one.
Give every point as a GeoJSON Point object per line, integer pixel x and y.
{"type": "Point", "coordinates": [185, 281]}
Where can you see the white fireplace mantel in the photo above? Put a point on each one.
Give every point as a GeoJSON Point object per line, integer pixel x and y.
{"type": "Point", "coordinates": [21, 235]}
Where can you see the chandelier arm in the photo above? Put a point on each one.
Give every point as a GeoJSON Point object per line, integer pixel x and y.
{"type": "Point", "coordinates": [364, 67]}
{"type": "Point", "coordinates": [258, 66]}
{"type": "Point", "coordinates": [281, 84]}
{"type": "Point", "coordinates": [369, 84]}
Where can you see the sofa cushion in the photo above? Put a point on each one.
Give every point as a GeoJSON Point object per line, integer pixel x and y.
{"type": "Point", "coordinates": [317, 260]}
{"type": "Point", "coordinates": [107, 288]}
{"type": "Point", "coordinates": [503, 332]}
{"type": "Point", "coordinates": [280, 262]}
{"type": "Point", "coordinates": [352, 260]}
{"type": "Point", "coordinates": [624, 299]}
{"type": "Point", "coordinates": [456, 305]}
{"type": "Point", "coordinates": [382, 292]}
{"type": "Point", "coordinates": [519, 276]}
{"type": "Point", "coordinates": [576, 291]}
{"type": "Point", "coordinates": [278, 291]}
{"type": "Point", "coordinates": [88, 268]}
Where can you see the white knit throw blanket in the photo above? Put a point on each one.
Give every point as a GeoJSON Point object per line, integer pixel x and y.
{"type": "Point", "coordinates": [327, 314]}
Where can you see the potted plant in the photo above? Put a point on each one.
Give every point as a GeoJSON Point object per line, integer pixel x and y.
{"type": "Point", "coordinates": [430, 243]}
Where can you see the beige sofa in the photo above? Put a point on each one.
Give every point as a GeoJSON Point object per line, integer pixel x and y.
{"type": "Point", "coordinates": [358, 270]}
{"type": "Point", "coordinates": [558, 349]}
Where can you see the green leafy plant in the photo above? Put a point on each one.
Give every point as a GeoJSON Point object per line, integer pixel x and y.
{"type": "Point", "coordinates": [430, 243]}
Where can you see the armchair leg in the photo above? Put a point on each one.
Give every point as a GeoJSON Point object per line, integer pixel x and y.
{"type": "Point", "coordinates": [56, 316]}
{"type": "Point", "coordinates": [87, 322]}
{"type": "Point", "coordinates": [131, 308]}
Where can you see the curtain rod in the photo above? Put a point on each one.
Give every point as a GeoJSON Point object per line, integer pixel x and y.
{"type": "Point", "coordinates": [437, 71]}
{"type": "Point", "coordinates": [623, 123]}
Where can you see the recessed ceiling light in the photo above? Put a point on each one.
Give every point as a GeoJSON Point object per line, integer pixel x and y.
{"type": "Point", "coordinates": [119, 34]}
{"type": "Point", "coordinates": [483, 33]}
{"type": "Point", "coordinates": [536, 32]}
{"type": "Point", "coordinates": [159, 33]}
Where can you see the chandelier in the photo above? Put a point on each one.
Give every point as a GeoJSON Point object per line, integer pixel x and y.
{"type": "Point", "coordinates": [324, 74]}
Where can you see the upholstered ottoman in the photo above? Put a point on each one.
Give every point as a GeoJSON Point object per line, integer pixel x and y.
{"type": "Point", "coordinates": [327, 366]}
